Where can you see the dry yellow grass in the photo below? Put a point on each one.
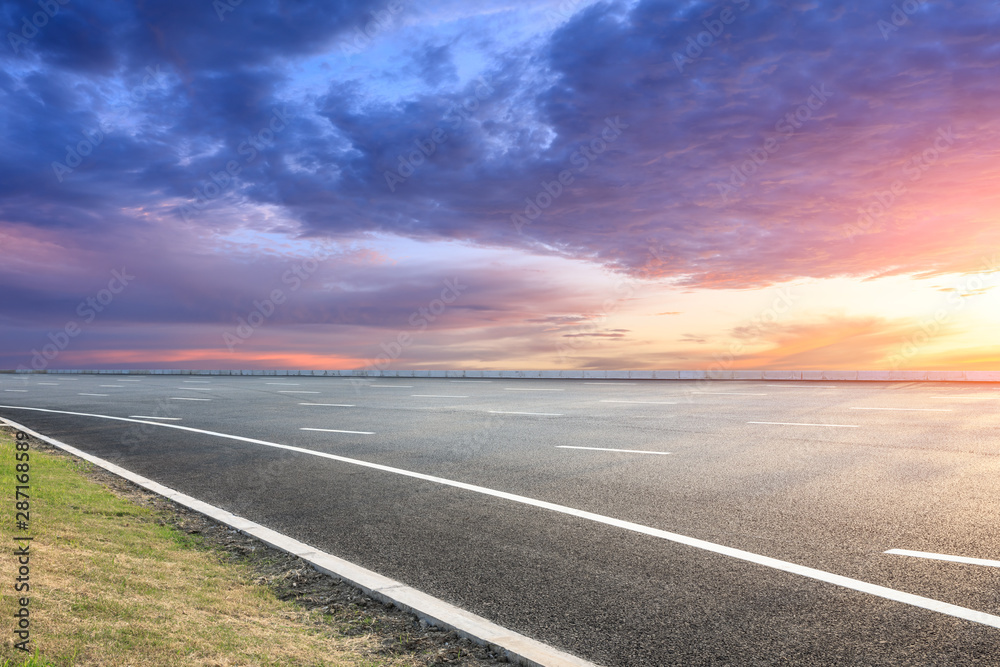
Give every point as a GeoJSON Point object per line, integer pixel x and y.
{"type": "Point", "coordinates": [110, 586]}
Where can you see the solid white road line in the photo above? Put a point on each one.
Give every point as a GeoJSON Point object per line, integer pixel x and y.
{"type": "Point", "coordinates": [295, 391]}
{"type": "Point", "coordinates": [910, 409]}
{"type": "Point", "coordinates": [727, 393]}
{"type": "Point", "coordinates": [647, 402]}
{"type": "Point", "coordinates": [547, 414]}
{"type": "Point", "coordinates": [785, 566]}
{"type": "Point", "coordinates": [435, 396]}
{"type": "Point", "coordinates": [628, 383]}
{"type": "Point", "coordinates": [286, 384]}
{"type": "Point", "coordinates": [190, 381]}
{"type": "Point", "coordinates": [330, 405]}
{"type": "Point", "coordinates": [951, 559]}
{"type": "Point", "coordinates": [115, 386]}
{"type": "Point", "coordinates": [798, 424]}
{"type": "Point", "coordinates": [486, 381]}
{"type": "Point", "coordinates": [337, 430]}
{"type": "Point", "coordinates": [520, 649]}
{"type": "Point", "coordinates": [179, 398]}
{"type": "Point", "coordinates": [392, 386]}
{"type": "Point", "coordinates": [173, 419]}
{"type": "Point", "coordinates": [526, 389]}
{"type": "Point", "coordinates": [605, 449]}
{"type": "Point", "coordinates": [85, 394]}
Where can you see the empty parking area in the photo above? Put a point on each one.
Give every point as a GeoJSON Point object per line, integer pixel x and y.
{"type": "Point", "coordinates": [628, 522]}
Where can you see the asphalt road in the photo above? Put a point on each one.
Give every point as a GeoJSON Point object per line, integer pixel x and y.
{"type": "Point", "coordinates": [827, 476]}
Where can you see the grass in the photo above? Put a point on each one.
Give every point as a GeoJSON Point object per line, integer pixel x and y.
{"type": "Point", "coordinates": [110, 585]}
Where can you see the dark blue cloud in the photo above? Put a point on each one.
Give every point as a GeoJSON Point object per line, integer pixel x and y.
{"type": "Point", "coordinates": [690, 106]}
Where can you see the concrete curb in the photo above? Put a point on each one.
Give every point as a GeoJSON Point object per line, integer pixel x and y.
{"type": "Point", "coordinates": [518, 649]}
{"type": "Point", "coordinates": [799, 376]}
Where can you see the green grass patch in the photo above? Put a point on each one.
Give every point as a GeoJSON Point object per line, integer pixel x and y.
{"type": "Point", "coordinates": [110, 585]}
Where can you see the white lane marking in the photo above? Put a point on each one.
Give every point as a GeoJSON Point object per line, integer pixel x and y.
{"type": "Point", "coordinates": [547, 414]}
{"type": "Point", "coordinates": [974, 398]}
{"type": "Point", "coordinates": [194, 388]}
{"type": "Point", "coordinates": [487, 381]}
{"type": "Point", "coordinates": [85, 394]}
{"type": "Point", "coordinates": [800, 424]}
{"type": "Point", "coordinates": [336, 430]}
{"type": "Point", "coordinates": [526, 389]}
{"type": "Point", "coordinates": [286, 384]}
{"type": "Point", "coordinates": [116, 386]}
{"type": "Point", "coordinates": [435, 396]}
{"type": "Point", "coordinates": [951, 559]}
{"type": "Point", "coordinates": [727, 393]}
{"type": "Point", "coordinates": [128, 380]}
{"type": "Point", "coordinates": [330, 405]}
{"type": "Point", "coordinates": [393, 386]}
{"type": "Point", "coordinates": [178, 398]}
{"type": "Point", "coordinates": [173, 419]}
{"type": "Point", "coordinates": [518, 647]}
{"type": "Point", "coordinates": [295, 391]}
{"type": "Point", "coordinates": [49, 383]}
{"type": "Point", "coordinates": [628, 383]}
{"type": "Point", "coordinates": [649, 402]}
{"type": "Point", "coordinates": [739, 554]}
{"type": "Point", "coordinates": [910, 409]}
{"type": "Point", "coordinates": [803, 386]}
{"type": "Point", "coordinates": [17, 390]}
{"type": "Point", "coordinates": [194, 381]}
{"type": "Point", "coordinates": [605, 449]}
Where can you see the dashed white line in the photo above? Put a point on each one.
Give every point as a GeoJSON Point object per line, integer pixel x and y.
{"type": "Point", "coordinates": [392, 386]}
{"type": "Point", "coordinates": [286, 384]}
{"type": "Point", "coordinates": [111, 386]}
{"type": "Point", "coordinates": [86, 394]}
{"type": "Point", "coordinates": [435, 396]}
{"type": "Point", "coordinates": [527, 389]}
{"type": "Point", "coordinates": [295, 391]}
{"type": "Point", "coordinates": [194, 388]}
{"type": "Point", "coordinates": [192, 381]}
{"type": "Point", "coordinates": [480, 381]}
{"type": "Point", "coordinates": [128, 380]}
{"type": "Point", "coordinates": [48, 383]}
{"type": "Point", "coordinates": [334, 430]}
{"type": "Point", "coordinates": [727, 393]}
{"type": "Point", "coordinates": [605, 449]}
{"type": "Point", "coordinates": [173, 419]}
{"type": "Point", "coordinates": [17, 390]}
{"type": "Point", "coordinates": [919, 601]}
{"type": "Point", "coordinates": [547, 414]}
{"type": "Point", "coordinates": [645, 402]}
{"type": "Point", "coordinates": [628, 383]}
{"type": "Point", "coordinates": [801, 424]}
{"type": "Point", "coordinates": [330, 405]}
{"type": "Point", "coordinates": [910, 409]}
{"type": "Point", "coordinates": [952, 559]}
{"type": "Point", "coordinates": [803, 386]}
{"type": "Point", "coordinates": [180, 398]}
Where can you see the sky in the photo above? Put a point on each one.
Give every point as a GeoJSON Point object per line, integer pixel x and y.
{"type": "Point", "coordinates": [551, 184]}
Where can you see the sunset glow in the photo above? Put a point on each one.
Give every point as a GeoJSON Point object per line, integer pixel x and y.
{"type": "Point", "coordinates": [554, 184]}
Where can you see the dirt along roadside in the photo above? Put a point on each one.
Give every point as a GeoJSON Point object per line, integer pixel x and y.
{"type": "Point", "coordinates": [120, 576]}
